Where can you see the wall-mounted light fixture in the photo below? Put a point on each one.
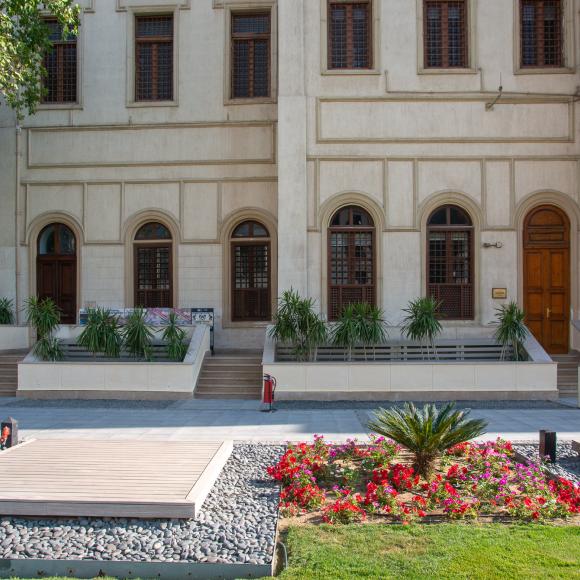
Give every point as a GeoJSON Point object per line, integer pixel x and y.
{"type": "Point", "coordinates": [497, 245]}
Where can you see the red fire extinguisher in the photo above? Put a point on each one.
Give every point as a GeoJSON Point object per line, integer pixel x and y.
{"type": "Point", "coordinates": [268, 393]}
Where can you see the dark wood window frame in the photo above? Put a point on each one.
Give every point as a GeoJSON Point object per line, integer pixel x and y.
{"type": "Point", "coordinates": [463, 293]}
{"type": "Point", "coordinates": [154, 297]}
{"type": "Point", "coordinates": [251, 40]}
{"type": "Point", "coordinates": [65, 89]}
{"type": "Point", "coordinates": [438, 53]}
{"type": "Point", "coordinates": [535, 50]}
{"type": "Point", "coordinates": [154, 42]}
{"type": "Point", "coordinates": [349, 57]}
{"type": "Point", "coordinates": [338, 294]}
{"type": "Point", "coordinates": [263, 296]}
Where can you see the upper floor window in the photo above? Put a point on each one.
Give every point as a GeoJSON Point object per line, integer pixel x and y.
{"type": "Point", "coordinates": [250, 67]}
{"type": "Point", "coordinates": [445, 34]}
{"type": "Point", "coordinates": [154, 58]}
{"type": "Point", "coordinates": [349, 34]}
{"type": "Point", "coordinates": [60, 62]}
{"type": "Point", "coordinates": [542, 33]}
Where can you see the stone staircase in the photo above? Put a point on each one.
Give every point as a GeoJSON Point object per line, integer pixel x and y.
{"type": "Point", "coordinates": [231, 375]}
{"type": "Point", "coordinates": [568, 373]}
{"type": "Point", "coordinates": [9, 360]}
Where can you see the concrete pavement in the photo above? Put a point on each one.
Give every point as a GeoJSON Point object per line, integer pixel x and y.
{"type": "Point", "coordinates": [241, 420]}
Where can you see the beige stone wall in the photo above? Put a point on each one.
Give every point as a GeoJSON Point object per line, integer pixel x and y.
{"type": "Point", "coordinates": [397, 139]}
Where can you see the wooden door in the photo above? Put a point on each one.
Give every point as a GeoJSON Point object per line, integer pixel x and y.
{"type": "Point", "coordinates": [56, 270]}
{"type": "Point", "coordinates": [547, 277]}
{"type": "Point", "coordinates": [251, 281]}
{"type": "Point", "coordinates": [153, 276]}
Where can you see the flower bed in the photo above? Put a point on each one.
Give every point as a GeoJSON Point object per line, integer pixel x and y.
{"type": "Point", "coordinates": [352, 482]}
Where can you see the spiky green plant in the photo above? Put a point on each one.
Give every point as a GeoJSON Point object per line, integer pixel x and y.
{"type": "Point", "coordinates": [102, 333]}
{"type": "Point", "coordinates": [359, 324]}
{"type": "Point", "coordinates": [6, 311]}
{"type": "Point", "coordinates": [48, 348]}
{"type": "Point", "coordinates": [43, 314]}
{"type": "Point", "coordinates": [421, 323]}
{"type": "Point", "coordinates": [174, 337]}
{"type": "Point", "coordinates": [427, 432]}
{"type": "Point", "coordinates": [511, 332]}
{"type": "Point", "coordinates": [297, 324]}
{"type": "Point", "coordinates": [137, 336]}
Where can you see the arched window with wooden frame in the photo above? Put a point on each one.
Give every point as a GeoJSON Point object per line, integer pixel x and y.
{"type": "Point", "coordinates": [450, 262]}
{"type": "Point", "coordinates": [351, 259]}
{"type": "Point", "coordinates": [153, 263]}
{"type": "Point", "coordinates": [56, 269]}
{"type": "Point", "coordinates": [251, 272]}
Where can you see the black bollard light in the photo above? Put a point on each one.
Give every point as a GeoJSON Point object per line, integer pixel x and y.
{"type": "Point", "coordinates": [9, 432]}
{"type": "Point", "coordinates": [548, 445]}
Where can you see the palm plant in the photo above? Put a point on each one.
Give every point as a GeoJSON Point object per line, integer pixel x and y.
{"type": "Point", "coordinates": [511, 332]}
{"type": "Point", "coordinates": [174, 337]}
{"type": "Point", "coordinates": [101, 333]}
{"type": "Point", "coordinates": [6, 311]}
{"type": "Point", "coordinates": [359, 323]}
{"type": "Point", "coordinates": [421, 323]}
{"type": "Point", "coordinates": [43, 314]}
{"type": "Point", "coordinates": [48, 348]}
{"type": "Point", "coordinates": [137, 336]}
{"type": "Point", "coordinates": [297, 324]}
{"type": "Point", "coordinates": [427, 432]}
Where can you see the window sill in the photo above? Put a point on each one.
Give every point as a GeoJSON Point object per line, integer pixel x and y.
{"type": "Point", "coordinates": [448, 71]}
{"type": "Point", "coordinates": [250, 101]}
{"type": "Point", "coordinates": [339, 72]}
{"type": "Point", "coordinates": [146, 104]}
{"type": "Point", "coordinates": [237, 324]}
{"type": "Point", "coordinates": [59, 107]}
{"type": "Point", "coordinates": [545, 71]}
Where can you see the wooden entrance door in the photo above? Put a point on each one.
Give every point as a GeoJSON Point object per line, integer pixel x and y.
{"type": "Point", "coordinates": [56, 269]}
{"type": "Point", "coordinates": [547, 277]}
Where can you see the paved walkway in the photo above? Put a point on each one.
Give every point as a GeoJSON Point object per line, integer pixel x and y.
{"type": "Point", "coordinates": [199, 420]}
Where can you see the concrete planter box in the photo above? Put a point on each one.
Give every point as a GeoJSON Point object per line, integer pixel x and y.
{"type": "Point", "coordinates": [114, 380]}
{"type": "Point", "coordinates": [14, 337]}
{"type": "Point", "coordinates": [535, 379]}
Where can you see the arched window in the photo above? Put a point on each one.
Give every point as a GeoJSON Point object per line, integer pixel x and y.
{"type": "Point", "coordinates": [251, 272]}
{"type": "Point", "coordinates": [351, 259]}
{"type": "Point", "coordinates": [56, 269]}
{"type": "Point", "coordinates": [153, 264]}
{"type": "Point", "coordinates": [450, 262]}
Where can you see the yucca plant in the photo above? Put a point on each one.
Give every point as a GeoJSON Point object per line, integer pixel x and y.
{"type": "Point", "coordinates": [297, 324]}
{"type": "Point", "coordinates": [174, 337]}
{"type": "Point", "coordinates": [48, 348]}
{"type": "Point", "coordinates": [360, 323]}
{"type": "Point", "coordinates": [137, 336]}
{"type": "Point", "coordinates": [427, 432]}
{"type": "Point", "coordinates": [421, 323]}
{"type": "Point", "coordinates": [43, 314]}
{"type": "Point", "coordinates": [511, 332]}
{"type": "Point", "coordinates": [6, 311]}
{"type": "Point", "coordinates": [102, 333]}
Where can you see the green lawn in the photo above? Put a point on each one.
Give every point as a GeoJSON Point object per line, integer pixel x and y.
{"type": "Point", "coordinates": [433, 551]}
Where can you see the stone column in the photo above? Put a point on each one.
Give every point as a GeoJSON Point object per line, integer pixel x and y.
{"type": "Point", "coordinates": [292, 180]}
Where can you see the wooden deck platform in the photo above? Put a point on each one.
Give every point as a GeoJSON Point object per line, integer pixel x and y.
{"type": "Point", "coordinates": [142, 479]}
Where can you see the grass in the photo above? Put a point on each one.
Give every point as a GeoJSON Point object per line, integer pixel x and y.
{"type": "Point", "coordinates": [433, 551]}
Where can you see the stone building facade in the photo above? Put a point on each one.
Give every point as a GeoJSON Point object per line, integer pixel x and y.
{"type": "Point", "coordinates": [211, 153]}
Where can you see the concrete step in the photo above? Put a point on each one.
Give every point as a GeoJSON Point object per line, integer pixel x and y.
{"type": "Point", "coordinates": [227, 396]}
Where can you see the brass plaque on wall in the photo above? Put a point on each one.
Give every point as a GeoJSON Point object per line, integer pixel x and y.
{"type": "Point", "coordinates": [499, 293]}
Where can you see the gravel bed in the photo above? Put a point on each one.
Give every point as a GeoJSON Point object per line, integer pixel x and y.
{"type": "Point", "coordinates": [567, 460]}
{"type": "Point", "coordinates": [237, 524]}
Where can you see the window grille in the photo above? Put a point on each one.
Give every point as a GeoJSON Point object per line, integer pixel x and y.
{"type": "Point", "coordinates": [251, 298]}
{"type": "Point", "coordinates": [541, 33]}
{"type": "Point", "coordinates": [349, 35]}
{"type": "Point", "coordinates": [445, 33]}
{"type": "Point", "coordinates": [351, 258]}
{"type": "Point", "coordinates": [450, 262]}
{"type": "Point", "coordinates": [250, 66]}
{"type": "Point", "coordinates": [153, 58]}
{"type": "Point", "coordinates": [60, 63]}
